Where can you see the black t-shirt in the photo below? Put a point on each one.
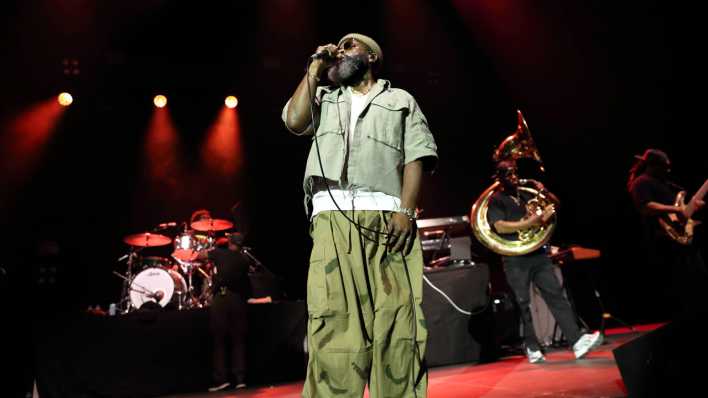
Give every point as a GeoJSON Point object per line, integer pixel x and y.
{"type": "Point", "coordinates": [645, 189]}
{"type": "Point", "coordinates": [503, 207]}
{"type": "Point", "coordinates": [231, 272]}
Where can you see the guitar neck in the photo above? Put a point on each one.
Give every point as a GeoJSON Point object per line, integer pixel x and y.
{"type": "Point", "coordinates": [691, 207]}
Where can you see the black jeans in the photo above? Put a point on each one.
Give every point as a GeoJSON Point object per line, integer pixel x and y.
{"type": "Point", "coordinates": [520, 272]}
{"type": "Point", "coordinates": [228, 325]}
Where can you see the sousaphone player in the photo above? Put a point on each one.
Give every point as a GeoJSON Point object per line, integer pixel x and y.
{"type": "Point", "coordinates": [516, 222]}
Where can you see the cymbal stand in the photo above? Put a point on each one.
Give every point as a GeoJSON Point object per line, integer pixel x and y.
{"type": "Point", "coordinates": [192, 301]}
{"type": "Point", "coordinates": [205, 295]}
{"type": "Point", "coordinates": [124, 304]}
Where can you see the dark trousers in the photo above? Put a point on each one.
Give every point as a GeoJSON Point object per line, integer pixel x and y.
{"type": "Point", "coordinates": [520, 272]}
{"type": "Point", "coordinates": [687, 282]}
{"type": "Point", "coordinates": [228, 325]}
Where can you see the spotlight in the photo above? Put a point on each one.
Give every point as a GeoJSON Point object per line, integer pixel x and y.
{"type": "Point", "coordinates": [160, 101]}
{"type": "Point", "coordinates": [231, 102]}
{"type": "Point", "coordinates": [65, 99]}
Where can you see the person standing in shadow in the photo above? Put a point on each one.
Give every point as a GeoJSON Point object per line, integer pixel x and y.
{"type": "Point", "coordinates": [228, 313]}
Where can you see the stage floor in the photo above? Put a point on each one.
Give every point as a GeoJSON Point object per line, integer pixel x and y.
{"type": "Point", "coordinates": [561, 375]}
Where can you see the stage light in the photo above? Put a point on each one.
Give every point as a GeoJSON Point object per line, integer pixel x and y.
{"type": "Point", "coordinates": [65, 99]}
{"type": "Point", "coordinates": [231, 102]}
{"type": "Point", "coordinates": [160, 101]}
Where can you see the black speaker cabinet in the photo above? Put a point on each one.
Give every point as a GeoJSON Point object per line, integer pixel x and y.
{"type": "Point", "coordinates": [454, 337]}
{"type": "Point", "coordinates": [668, 361]}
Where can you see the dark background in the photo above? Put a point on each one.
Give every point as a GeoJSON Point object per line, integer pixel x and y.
{"type": "Point", "coordinates": [598, 83]}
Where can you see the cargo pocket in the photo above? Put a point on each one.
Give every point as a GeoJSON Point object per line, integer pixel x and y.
{"type": "Point", "coordinates": [317, 289]}
{"type": "Point", "coordinates": [316, 278]}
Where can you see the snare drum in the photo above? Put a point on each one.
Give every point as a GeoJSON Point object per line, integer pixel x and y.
{"type": "Point", "coordinates": [163, 286]}
{"type": "Point", "coordinates": [188, 244]}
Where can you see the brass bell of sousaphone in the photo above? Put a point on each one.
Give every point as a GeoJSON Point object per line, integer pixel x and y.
{"type": "Point", "coordinates": [519, 145]}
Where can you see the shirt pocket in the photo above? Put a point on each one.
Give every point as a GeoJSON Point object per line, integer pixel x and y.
{"type": "Point", "coordinates": [385, 123]}
{"type": "Point", "coordinates": [330, 118]}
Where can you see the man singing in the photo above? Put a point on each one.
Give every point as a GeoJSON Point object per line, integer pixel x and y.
{"type": "Point", "coordinates": [362, 177]}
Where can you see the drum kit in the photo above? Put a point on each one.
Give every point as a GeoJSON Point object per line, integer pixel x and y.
{"type": "Point", "coordinates": [180, 281]}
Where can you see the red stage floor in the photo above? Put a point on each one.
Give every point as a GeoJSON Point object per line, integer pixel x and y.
{"type": "Point", "coordinates": [561, 375]}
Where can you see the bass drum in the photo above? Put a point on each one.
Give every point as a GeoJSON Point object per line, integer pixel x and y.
{"type": "Point", "coordinates": [162, 286]}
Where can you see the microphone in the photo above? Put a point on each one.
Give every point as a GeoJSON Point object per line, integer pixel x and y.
{"type": "Point", "coordinates": [158, 295]}
{"type": "Point", "coordinates": [324, 54]}
{"type": "Point", "coordinates": [167, 224]}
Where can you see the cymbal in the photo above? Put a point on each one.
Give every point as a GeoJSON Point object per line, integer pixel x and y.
{"type": "Point", "coordinates": [146, 239]}
{"type": "Point", "coordinates": [212, 224]}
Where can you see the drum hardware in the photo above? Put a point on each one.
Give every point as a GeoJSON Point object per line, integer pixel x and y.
{"type": "Point", "coordinates": [137, 242]}
{"type": "Point", "coordinates": [187, 246]}
{"type": "Point", "coordinates": [154, 279]}
{"type": "Point", "coordinates": [124, 302]}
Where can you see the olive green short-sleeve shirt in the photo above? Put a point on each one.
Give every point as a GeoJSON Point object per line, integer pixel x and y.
{"type": "Point", "coordinates": [390, 132]}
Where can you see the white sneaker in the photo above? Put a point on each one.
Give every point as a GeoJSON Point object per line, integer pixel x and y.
{"type": "Point", "coordinates": [220, 387]}
{"type": "Point", "coordinates": [586, 343]}
{"type": "Point", "coordinates": [535, 356]}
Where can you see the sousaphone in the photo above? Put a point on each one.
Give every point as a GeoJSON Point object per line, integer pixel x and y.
{"type": "Point", "coordinates": [519, 145]}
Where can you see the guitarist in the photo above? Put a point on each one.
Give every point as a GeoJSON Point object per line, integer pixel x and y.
{"type": "Point", "coordinates": [677, 273]}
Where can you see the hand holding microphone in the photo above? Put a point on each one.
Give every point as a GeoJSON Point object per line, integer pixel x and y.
{"type": "Point", "coordinates": [327, 52]}
{"type": "Point", "coordinates": [320, 60]}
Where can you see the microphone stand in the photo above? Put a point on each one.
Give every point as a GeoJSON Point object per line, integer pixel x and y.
{"type": "Point", "coordinates": [138, 288]}
{"type": "Point", "coordinates": [245, 250]}
{"type": "Point", "coordinates": [125, 295]}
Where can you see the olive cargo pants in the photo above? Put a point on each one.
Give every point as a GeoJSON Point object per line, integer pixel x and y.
{"type": "Point", "coordinates": [361, 307]}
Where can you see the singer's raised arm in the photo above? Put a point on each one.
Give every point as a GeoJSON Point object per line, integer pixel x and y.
{"type": "Point", "coordinates": [298, 118]}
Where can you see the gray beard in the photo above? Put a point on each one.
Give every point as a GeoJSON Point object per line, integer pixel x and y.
{"type": "Point", "coordinates": [348, 71]}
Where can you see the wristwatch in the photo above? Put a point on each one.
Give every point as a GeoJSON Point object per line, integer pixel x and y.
{"type": "Point", "coordinates": [410, 213]}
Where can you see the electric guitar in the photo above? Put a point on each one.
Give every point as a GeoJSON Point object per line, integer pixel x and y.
{"type": "Point", "coordinates": [681, 231]}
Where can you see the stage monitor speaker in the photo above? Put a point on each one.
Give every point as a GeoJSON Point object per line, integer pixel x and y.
{"type": "Point", "coordinates": [454, 337]}
{"type": "Point", "coordinates": [665, 362]}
